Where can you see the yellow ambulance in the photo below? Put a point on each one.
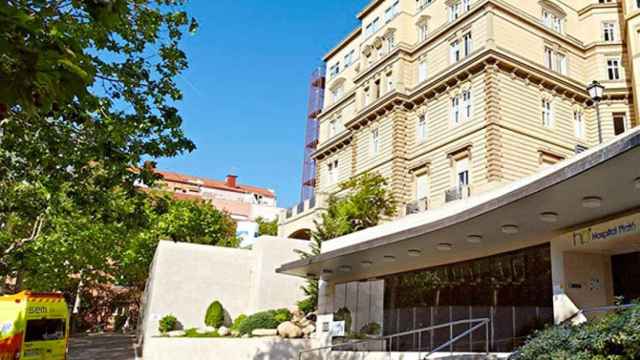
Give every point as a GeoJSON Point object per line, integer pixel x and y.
{"type": "Point", "coordinates": [33, 326]}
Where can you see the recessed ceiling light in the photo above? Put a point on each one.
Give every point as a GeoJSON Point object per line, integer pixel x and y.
{"type": "Point", "coordinates": [389, 258]}
{"type": "Point", "coordinates": [345, 268]}
{"type": "Point", "coordinates": [444, 247]}
{"type": "Point", "coordinates": [366, 263]}
{"type": "Point", "coordinates": [638, 183]}
{"type": "Point", "coordinates": [592, 202]}
{"type": "Point", "coordinates": [327, 271]}
{"type": "Point", "coordinates": [510, 229]}
{"type": "Point", "coordinates": [549, 217]}
{"type": "Point", "coordinates": [474, 239]}
{"type": "Point", "coordinates": [415, 252]}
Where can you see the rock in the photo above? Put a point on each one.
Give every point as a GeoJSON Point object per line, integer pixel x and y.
{"type": "Point", "coordinates": [245, 336]}
{"type": "Point", "coordinates": [176, 333]}
{"type": "Point", "coordinates": [289, 330]}
{"type": "Point", "coordinates": [264, 332]}
{"type": "Point", "coordinates": [308, 330]}
{"type": "Point", "coordinates": [223, 331]}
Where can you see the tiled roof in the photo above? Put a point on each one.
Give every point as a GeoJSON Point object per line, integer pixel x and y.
{"type": "Point", "coordinates": [214, 184]}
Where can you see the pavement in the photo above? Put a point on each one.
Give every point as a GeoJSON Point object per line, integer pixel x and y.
{"type": "Point", "coordinates": [102, 347]}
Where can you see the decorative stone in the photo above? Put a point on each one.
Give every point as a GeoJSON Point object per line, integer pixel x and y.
{"type": "Point", "coordinates": [176, 333]}
{"type": "Point", "coordinates": [264, 332]}
{"type": "Point", "coordinates": [223, 331]}
{"type": "Point", "coordinates": [289, 330]}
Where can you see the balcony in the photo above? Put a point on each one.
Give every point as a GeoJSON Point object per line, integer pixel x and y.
{"type": "Point", "coordinates": [303, 207]}
{"type": "Point", "coordinates": [417, 207]}
{"type": "Point", "coordinates": [457, 193]}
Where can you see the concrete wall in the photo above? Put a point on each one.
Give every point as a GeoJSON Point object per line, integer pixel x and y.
{"type": "Point", "coordinates": [185, 278]}
{"type": "Point", "coordinates": [226, 349]}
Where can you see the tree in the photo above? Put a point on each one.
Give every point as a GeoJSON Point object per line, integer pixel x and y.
{"type": "Point", "coordinates": [366, 203]}
{"type": "Point", "coordinates": [266, 227]}
{"type": "Point", "coordinates": [87, 90]}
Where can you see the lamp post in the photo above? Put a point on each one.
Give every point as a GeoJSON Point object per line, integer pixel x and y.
{"type": "Point", "coordinates": [596, 90]}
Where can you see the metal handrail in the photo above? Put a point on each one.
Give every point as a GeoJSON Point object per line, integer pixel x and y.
{"type": "Point", "coordinates": [481, 322]}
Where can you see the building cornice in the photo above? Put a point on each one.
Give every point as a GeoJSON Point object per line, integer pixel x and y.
{"type": "Point", "coordinates": [328, 111]}
{"type": "Point", "coordinates": [354, 34]}
{"type": "Point", "coordinates": [597, 6]}
{"type": "Point", "coordinates": [332, 145]}
{"type": "Point", "coordinates": [369, 8]}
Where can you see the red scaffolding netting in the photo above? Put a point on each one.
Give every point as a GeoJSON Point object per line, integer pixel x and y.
{"type": "Point", "coordinates": [316, 100]}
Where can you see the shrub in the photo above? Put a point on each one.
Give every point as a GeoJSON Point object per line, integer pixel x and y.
{"type": "Point", "coordinates": [193, 333]}
{"type": "Point", "coordinates": [236, 323]}
{"type": "Point", "coordinates": [306, 306]}
{"type": "Point", "coordinates": [269, 319]}
{"type": "Point", "coordinates": [215, 315]}
{"type": "Point", "coordinates": [168, 323]}
{"type": "Point", "coordinates": [614, 336]}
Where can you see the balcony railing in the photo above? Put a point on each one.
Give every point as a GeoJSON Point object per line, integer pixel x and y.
{"type": "Point", "coordinates": [418, 206]}
{"type": "Point", "coordinates": [457, 193]}
{"type": "Point", "coordinates": [301, 207]}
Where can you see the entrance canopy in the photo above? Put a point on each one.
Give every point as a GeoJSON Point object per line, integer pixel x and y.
{"type": "Point", "coordinates": [600, 183]}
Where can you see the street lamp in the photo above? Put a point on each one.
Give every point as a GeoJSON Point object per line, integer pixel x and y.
{"type": "Point", "coordinates": [596, 91]}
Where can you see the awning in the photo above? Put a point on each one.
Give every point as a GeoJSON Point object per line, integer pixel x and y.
{"type": "Point", "coordinates": [567, 194]}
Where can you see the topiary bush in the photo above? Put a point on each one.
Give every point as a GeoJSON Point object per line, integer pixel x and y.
{"type": "Point", "coordinates": [614, 336]}
{"type": "Point", "coordinates": [168, 323]}
{"type": "Point", "coordinates": [269, 319]}
{"type": "Point", "coordinates": [236, 323]}
{"type": "Point", "coordinates": [215, 315]}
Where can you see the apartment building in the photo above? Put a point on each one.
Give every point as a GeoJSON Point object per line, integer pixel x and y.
{"type": "Point", "coordinates": [244, 203]}
{"type": "Point", "coordinates": [448, 99]}
{"type": "Point", "coordinates": [518, 190]}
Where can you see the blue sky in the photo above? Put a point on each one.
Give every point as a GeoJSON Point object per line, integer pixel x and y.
{"type": "Point", "coordinates": [245, 92]}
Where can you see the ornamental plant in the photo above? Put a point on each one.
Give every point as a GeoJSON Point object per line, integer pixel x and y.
{"type": "Point", "coordinates": [215, 315]}
{"type": "Point", "coordinates": [168, 323]}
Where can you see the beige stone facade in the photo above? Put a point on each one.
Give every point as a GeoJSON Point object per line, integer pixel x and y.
{"type": "Point", "coordinates": [448, 99]}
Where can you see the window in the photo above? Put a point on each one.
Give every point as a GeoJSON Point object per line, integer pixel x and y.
{"type": "Point", "coordinates": [578, 124]}
{"type": "Point", "coordinates": [45, 330]}
{"type": "Point", "coordinates": [609, 31]}
{"type": "Point", "coordinates": [390, 85]}
{"type": "Point", "coordinates": [552, 20]}
{"type": "Point", "coordinates": [467, 104]}
{"type": "Point", "coordinates": [466, 5]}
{"type": "Point", "coordinates": [375, 141]}
{"type": "Point", "coordinates": [391, 11]}
{"type": "Point", "coordinates": [454, 11]}
{"type": "Point", "coordinates": [421, 128]}
{"type": "Point", "coordinates": [333, 128]}
{"type": "Point", "coordinates": [613, 69]}
{"type": "Point", "coordinates": [455, 109]}
{"type": "Point", "coordinates": [468, 45]}
{"type": "Point", "coordinates": [422, 31]}
{"type": "Point", "coordinates": [422, 186]}
{"type": "Point", "coordinates": [390, 41]}
{"type": "Point", "coordinates": [422, 71]}
{"type": "Point", "coordinates": [376, 88]}
{"type": "Point", "coordinates": [462, 172]}
{"type": "Point", "coordinates": [349, 58]}
{"type": "Point", "coordinates": [334, 70]}
{"type": "Point", "coordinates": [367, 96]}
{"type": "Point", "coordinates": [332, 172]}
{"type": "Point", "coordinates": [454, 52]}
{"type": "Point", "coordinates": [423, 3]}
{"type": "Point", "coordinates": [372, 27]}
{"type": "Point", "coordinates": [555, 61]}
{"type": "Point", "coordinates": [619, 123]}
{"type": "Point", "coordinates": [337, 93]}
{"type": "Point", "coordinates": [548, 58]}
{"type": "Point", "coordinates": [561, 64]}
{"type": "Point", "coordinates": [547, 113]}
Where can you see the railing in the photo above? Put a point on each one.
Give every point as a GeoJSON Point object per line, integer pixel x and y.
{"type": "Point", "coordinates": [387, 341]}
{"type": "Point", "coordinates": [457, 193]}
{"type": "Point", "coordinates": [416, 207]}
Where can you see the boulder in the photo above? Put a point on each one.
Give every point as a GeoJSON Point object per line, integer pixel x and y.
{"type": "Point", "coordinates": [223, 331]}
{"type": "Point", "coordinates": [308, 330]}
{"type": "Point", "coordinates": [289, 330]}
{"type": "Point", "coordinates": [264, 332]}
{"type": "Point", "coordinates": [176, 333]}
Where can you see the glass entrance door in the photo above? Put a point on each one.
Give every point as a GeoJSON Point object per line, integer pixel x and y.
{"type": "Point", "coordinates": [626, 276]}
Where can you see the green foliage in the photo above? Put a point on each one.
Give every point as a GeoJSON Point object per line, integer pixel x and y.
{"type": "Point", "coordinates": [269, 319]}
{"type": "Point", "coordinates": [193, 333]}
{"type": "Point", "coordinates": [343, 314]}
{"type": "Point", "coordinates": [306, 305]}
{"type": "Point", "coordinates": [366, 203]}
{"type": "Point", "coordinates": [215, 315]}
{"type": "Point", "coordinates": [236, 323]}
{"type": "Point", "coordinates": [266, 227]}
{"type": "Point", "coordinates": [371, 329]}
{"type": "Point", "coordinates": [168, 323]}
{"type": "Point", "coordinates": [612, 337]}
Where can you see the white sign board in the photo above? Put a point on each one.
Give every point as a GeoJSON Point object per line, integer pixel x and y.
{"type": "Point", "coordinates": [337, 328]}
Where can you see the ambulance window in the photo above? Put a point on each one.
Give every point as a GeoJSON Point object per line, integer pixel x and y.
{"type": "Point", "coordinates": [45, 329]}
